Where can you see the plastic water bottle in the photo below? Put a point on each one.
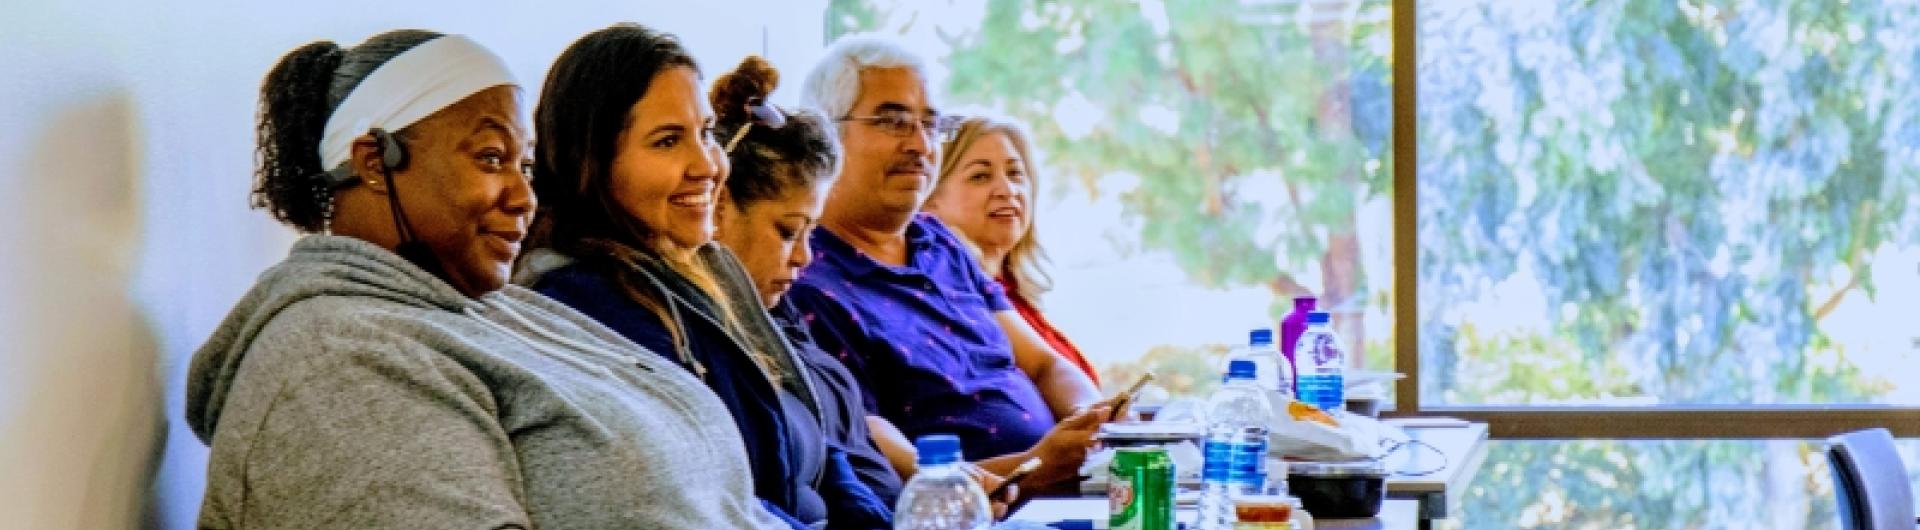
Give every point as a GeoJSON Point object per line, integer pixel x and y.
{"type": "Point", "coordinates": [1271, 371]}
{"type": "Point", "coordinates": [1236, 445]}
{"type": "Point", "coordinates": [1322, 365]}
{"type": "Point", "coordinates": [941, 496]}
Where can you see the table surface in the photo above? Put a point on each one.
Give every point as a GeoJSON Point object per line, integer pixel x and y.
{"type": "Point", "coordinates": [1395, 514]}
{"type": "Point", "coordinates": [1461, 446]}
{"type": "Point", "coordinates": [1464, 448]}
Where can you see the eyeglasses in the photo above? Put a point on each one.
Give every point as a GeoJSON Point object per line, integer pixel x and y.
{"type": "Point", "coordinates": [902, 123]}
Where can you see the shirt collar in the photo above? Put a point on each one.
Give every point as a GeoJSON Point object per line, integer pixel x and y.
{"type": "Point", "coordinates": [829, 247]}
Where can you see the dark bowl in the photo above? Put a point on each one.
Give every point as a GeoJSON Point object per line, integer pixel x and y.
{"type": "Point", "coordinates": [1338, 490]}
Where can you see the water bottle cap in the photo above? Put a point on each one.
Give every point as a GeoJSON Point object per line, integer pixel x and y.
{"type": "Point", "coordinates": [1307, 302]}
{"type": "Point", "coordinates": [1241, 369]}
{"type": "Point", "coordinates": [1319, 317]}
{"type": "Point", "coordinates": [938, 449]}
{"type": "Point", "coordinates": [1260, 337]}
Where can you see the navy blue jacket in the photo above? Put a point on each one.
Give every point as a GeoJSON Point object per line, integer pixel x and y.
{"type": "Point", "coordinates": [795, 473]}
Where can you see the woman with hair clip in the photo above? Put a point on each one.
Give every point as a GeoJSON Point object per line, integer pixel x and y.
{"type": "Point", "coordinates": [985, 193]}
{"type": "Point", "coordinates": [628, 172]}
{"type": "Point", "coordinates": [385, 376]}
{"type": "Point", "coordinates": [784, 162]}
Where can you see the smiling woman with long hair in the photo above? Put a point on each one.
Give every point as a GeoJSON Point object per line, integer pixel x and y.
{"type": "Point", "coordinates": [985, 193]}
{"type": "Point", "coordinates": [629, 171]}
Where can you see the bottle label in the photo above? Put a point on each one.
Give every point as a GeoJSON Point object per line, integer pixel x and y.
{"type": "Point", "coordinates": [1324, 391]}
{"type": "Point", "coordinates": [1249, 462]}
{"type": "Point", "coordinates": [1217, 463]}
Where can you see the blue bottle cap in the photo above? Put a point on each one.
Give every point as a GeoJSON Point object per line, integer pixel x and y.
{"type": "Point", "coordinates": [938, 449]}
{"type": "Point", "coordinates": [1260, 337]}
{"type": "Point", "coordinates": [1241, 369]}
{"type": "Point", "coordinates": [1319, 317]}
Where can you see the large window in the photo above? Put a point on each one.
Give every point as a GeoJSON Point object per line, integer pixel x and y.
{"type": "Point", "coordinates": [1204, 162]}
{"type": "Point", "coordinates": [1622, 206]}
{"type": "Point", "coordinates": [1658, 202]}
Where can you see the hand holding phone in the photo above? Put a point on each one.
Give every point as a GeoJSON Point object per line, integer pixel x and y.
{"type": "Point", "coordinates": [1021, 472]}
{"type": "Point", "coordinates": [1127, 397]}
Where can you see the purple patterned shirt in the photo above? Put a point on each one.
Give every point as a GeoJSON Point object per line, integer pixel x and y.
{"type": "Point", "coordinates": [923, 341]}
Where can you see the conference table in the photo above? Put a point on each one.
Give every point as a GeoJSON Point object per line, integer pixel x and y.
{"type": "Point", "coordinates": [1461, 447]}
{"type": "Point", "coordinates": [1451, 449]}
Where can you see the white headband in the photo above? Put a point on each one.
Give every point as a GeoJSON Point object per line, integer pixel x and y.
{"type": "Point", "coordinates": [409, 87]}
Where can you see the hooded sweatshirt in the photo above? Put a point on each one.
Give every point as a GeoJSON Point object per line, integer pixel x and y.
{"type": "Point", "coordinates": [352, 389]}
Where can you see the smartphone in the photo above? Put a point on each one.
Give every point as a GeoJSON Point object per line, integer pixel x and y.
{"type": "Point", "coordinates": [1127, 397]}
{"type": "Point", "coordinates": [1021, 472]}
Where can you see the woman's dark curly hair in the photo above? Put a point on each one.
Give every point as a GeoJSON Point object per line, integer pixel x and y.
{"type": "Point", "coordinates": [296, 98]}
{"type": "Point", "coordinates": [769, 162]}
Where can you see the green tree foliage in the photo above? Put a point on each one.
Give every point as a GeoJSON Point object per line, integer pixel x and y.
{"type": "Point", "coordinates": [1679, 177]}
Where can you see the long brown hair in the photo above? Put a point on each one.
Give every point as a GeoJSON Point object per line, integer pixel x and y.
{"type": "Point", "coordinates": [581, 114]}
{"type": "Point", "coordinates": [1026, 262]}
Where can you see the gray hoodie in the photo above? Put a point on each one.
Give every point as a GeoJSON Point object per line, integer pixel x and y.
{"type": "Point", "coordinates": [351, 389]}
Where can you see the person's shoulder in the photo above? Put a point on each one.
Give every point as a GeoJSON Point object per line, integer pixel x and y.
{"type": "Point", "coordinates": [314, 337]}
{"type": "Point", "coordinates": [810, 303]}
{"type": "Point", "coordinates": [933, 226]}
{"type": "Point", "coordinates": [569, 283]}
{"type": "Point", "coordinates": [831, 255]}
{"type": "Point", "coordinates": [804, 294]}
{"type": "Point", "coordinates": [940, 236]}
{"type": "Point", "coordinates": [829, 271]}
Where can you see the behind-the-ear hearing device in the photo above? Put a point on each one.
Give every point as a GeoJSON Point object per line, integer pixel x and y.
{"type": "Point", "coordinates": [393, 157]}
{"type": "Point", "coordinates": [393, 154]}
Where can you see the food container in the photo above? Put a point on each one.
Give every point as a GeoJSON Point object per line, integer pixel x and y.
{"type": "Point", "coordinates": [1146, 434]}
{"type": "Point", "coordinates": [1181, 440]}
{"type": "Point", "coordinates": [1264, 512]}
{"type": "Point", "coordinates": [1338, 490]}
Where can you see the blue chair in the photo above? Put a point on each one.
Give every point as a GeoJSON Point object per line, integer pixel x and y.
{"type": "Point", "coordinates": [1871, 482]}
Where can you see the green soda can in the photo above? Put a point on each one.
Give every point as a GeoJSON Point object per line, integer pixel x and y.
{"type": "Point", "coordinates": [1140, 492]}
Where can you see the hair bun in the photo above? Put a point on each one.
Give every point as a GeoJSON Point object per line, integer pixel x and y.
{"type": "Point", "coordinates": [753, 80]}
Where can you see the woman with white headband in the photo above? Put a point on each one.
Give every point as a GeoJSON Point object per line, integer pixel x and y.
{"type": "Point", "coordinates": [385, 376]}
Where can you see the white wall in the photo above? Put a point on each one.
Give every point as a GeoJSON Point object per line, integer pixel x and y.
{"type": "Point", "coordinates": [126, 136]}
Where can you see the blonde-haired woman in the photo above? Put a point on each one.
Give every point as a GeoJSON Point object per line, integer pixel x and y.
{"type": "Point", "coordinates": [985, 193]}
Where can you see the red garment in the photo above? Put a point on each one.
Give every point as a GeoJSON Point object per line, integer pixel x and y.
{"type": "Point", "coordinates": [1046, 330]}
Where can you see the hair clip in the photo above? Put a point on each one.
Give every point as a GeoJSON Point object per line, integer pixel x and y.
{"type": "Point", "coordinates": [759, 112]}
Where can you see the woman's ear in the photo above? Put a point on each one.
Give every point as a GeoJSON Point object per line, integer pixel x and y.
{"type": "Point", "coordinates": [723, 211]}
{"type": "Point", "coordinates": [368, 169]}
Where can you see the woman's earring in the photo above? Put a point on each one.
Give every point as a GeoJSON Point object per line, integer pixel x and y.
{"type": "Point", "coordinates": [323, 196]}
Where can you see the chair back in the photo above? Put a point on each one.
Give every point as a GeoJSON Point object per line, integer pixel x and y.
{"type": "Point", "coordinates": [1874, 490]}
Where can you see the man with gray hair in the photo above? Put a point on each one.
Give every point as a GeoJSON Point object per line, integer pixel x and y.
{"type": "Point", "coordinates": [903, 303]}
